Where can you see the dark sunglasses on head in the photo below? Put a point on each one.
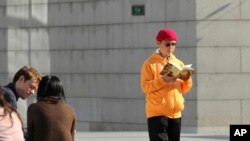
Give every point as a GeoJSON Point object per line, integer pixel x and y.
{"type": "Point", "coordinates": [170, 44]}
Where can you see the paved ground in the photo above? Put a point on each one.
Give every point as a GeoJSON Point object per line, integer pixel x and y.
{"type": "Point", "coordinates": [142, 136]}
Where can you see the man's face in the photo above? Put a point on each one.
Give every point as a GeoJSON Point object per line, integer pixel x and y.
{"type": "Point", "coordinates": [167, 47]}
{"type": "Point", "coordinates": [26, 88]}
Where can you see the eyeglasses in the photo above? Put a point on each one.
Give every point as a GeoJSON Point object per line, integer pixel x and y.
{"type": "Point", "coordinates": [170, 44]}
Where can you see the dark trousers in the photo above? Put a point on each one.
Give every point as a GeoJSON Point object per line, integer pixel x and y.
{"type": "Point", "coordinates": [162, 128]}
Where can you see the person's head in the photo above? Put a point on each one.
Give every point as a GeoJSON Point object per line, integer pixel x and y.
{"type": "Point", "coordinates": [166, 40]}
{"type": "Point", "coordinates": [26, 81]}
{"type": "Point", "coordinates": [3, 102]}
{"type": "Point", "coordinates": [50, 86]}
{"type": "Point", "coordinates": [7, 107]}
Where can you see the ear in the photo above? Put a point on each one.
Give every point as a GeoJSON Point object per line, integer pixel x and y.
{"type": "Point", "coordinates": [157, 42]}
{"type": "Point", "coordinates": [21, 78]}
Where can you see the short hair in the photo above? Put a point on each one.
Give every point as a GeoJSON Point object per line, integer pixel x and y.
{"type": "Point", "coordinates": [28, 73]}
{"type": "Point", "coordinates": [50, 86]}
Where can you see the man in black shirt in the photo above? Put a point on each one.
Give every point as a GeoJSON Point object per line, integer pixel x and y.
{"type": "Point", "coordinates": [24, 84]}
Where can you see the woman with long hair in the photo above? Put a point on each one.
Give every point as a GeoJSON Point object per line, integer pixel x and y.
{"type": "Point", "coordinates": [50, 118]}
{"type": "Point", "coordinates": [10, 121]}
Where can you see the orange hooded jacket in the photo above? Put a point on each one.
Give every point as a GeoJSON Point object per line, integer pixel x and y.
{"type": "Point", "coordinates": [162, 98]}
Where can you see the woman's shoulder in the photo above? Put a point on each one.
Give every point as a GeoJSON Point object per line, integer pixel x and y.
{"type": "Point", "coordinates": [68, 107]}
{"type": "Point", "coordinates": [11, 127]}
{"type": "Point", "coordinates": [34, 106]}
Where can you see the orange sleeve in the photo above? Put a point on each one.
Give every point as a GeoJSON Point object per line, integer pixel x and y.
{"type": "Point", "coordinates": [149, 83]}
{"type": "Point", "coordinates": [186, 85]}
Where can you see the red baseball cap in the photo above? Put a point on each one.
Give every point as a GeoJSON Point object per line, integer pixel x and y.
{"type": "Point", "coordinates": [166, 34]}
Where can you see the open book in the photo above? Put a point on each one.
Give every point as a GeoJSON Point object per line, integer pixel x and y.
{"type": "Point", "coordinates": [174, 71]}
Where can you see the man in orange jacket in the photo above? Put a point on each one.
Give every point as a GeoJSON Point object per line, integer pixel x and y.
{"type": "Point", "coordinates": [164, 93]}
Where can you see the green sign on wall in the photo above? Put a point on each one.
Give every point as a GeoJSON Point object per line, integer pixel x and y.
{"type": "Point", "coordinates": [138, 10]}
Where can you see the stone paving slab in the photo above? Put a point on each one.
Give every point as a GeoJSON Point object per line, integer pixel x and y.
{"type": "Point", "coordinates": [142, 136]}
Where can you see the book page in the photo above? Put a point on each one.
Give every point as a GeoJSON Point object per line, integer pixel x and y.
{"type": "Point", "coordinates": [171, 70]}
{"type": "Point", "coordinates": [188, 67]}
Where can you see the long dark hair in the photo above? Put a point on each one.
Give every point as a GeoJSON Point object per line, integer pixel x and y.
{"type": "Point", "coordinates": [50, 86]}
{"type": "Point", "coordinates": [7, 108]}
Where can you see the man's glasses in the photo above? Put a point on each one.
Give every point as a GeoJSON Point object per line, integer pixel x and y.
{"type": "Point", "coordinates": [170, 44]}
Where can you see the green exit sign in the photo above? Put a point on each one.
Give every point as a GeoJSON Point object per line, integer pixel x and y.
{"type": "Point", "coordinates": [138, 10]}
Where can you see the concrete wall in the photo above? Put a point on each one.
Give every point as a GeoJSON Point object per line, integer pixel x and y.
{"type": "Point", "coordinates": [222, 54]}
{"type": "Point", "coordinates": [97, 47]}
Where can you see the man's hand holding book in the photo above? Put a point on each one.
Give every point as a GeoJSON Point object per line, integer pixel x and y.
{"type": "Point", "coordinates": [171, 72]}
